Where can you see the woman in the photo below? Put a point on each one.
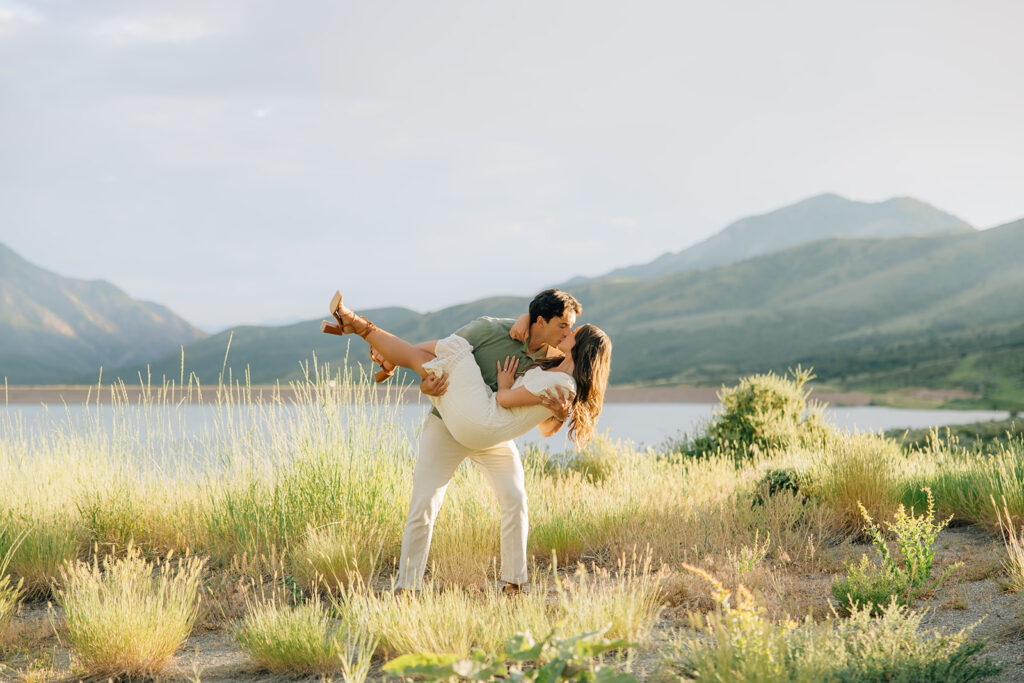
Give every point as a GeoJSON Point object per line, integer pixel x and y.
{"type": "Point", "coordinates": [480, 418]}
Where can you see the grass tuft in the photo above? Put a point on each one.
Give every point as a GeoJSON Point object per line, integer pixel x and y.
{"type": "Point", "coordinates": [304, 639]}
{"type": "Point", "coordinates": [126, 615]}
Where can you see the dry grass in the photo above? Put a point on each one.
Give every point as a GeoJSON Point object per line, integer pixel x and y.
{"type": "Point", "coordinates": [131, 615]}
{"type": "Point", "coordinates": [330, 558]}
{"type": "Point", "coordinates": [855, 470]}
{"type": "Point", "coordinates": [1013, 539]}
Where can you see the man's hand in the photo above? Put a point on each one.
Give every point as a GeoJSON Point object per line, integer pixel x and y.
{"type": "Point", "coordinates": [435, 386]}
{"type": "Point", "coordinates": [558, 401]}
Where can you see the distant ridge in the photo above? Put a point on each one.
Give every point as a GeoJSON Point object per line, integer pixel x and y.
{"type": "Point", "coordinates": [819, 217]}
{"type": "Point", "coordinates": [54, 328]}
{"type": "Point", "coordinates": [941, 311]}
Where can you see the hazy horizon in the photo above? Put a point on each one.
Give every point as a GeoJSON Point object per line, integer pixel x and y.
{"type": "Point", "coordinates": [237, 162]}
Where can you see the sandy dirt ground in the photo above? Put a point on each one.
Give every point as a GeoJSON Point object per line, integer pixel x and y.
{"type": "Point", "coordinates": [973, 595]}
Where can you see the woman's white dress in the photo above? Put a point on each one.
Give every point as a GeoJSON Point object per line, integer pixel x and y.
{"type": "Point", "coordinates": [470, 409]}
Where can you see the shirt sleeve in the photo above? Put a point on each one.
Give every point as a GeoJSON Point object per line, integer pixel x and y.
{"type": "Point", "coordinates": [538, 381]}
{"type": "Point", "coordinates": [484, 329]}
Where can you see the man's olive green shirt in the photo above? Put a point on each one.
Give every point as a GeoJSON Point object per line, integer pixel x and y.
{"type": "Point", "coordinates": [491, 345]}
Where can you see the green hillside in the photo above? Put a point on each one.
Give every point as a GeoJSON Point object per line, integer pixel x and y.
{"type": "Point", "coordinates": [53, 328]}
{"type": "Point", "coordinates": [941, 311]}
{"type": "Point", "coordinates": [816, 218]}
{"type": "Point", "coordinates": [279, 353]}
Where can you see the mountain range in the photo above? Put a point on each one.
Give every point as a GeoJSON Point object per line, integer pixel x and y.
{"type": "Point", "coordinates": [56, 329]}
{"type": "Point", "coordinates": [820, 217]}
{"type": "Point", "coordinates": [874, 296]}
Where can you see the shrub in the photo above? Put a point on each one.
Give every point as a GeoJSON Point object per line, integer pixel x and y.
{"type": "Point", "coordinates": [868, 585]}
{"type": "Point", "coordinates": [900, 577]}
{"type": "Point", "coordinates": [762, 413]}
{"type": "Point", "coordinates": [129, 617]}
{"type": "Point", "coordinates": [739, 643]}
{"type": "Point", "coordinates": [304, 639]}
{"type": "Point", "coordinates": [776, 481]}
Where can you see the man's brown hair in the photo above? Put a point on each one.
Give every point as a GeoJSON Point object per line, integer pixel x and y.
{"type": "Point", "coordinates": [552, 303]}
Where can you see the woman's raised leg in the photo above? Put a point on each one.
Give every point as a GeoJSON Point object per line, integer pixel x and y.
{"type": "Point", "coordinates": [392, 348]}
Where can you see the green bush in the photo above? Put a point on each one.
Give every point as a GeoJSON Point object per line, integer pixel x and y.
{"type": "Point", "coordinates": [776, 481]}
{"type": "Point", "coordinates": [762, 413]}
{"type": "Point", "coordinates": [900, 576]}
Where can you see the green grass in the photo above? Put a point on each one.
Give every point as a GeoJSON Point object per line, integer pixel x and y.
{"type": "Point", "coordinates": [304, 639]}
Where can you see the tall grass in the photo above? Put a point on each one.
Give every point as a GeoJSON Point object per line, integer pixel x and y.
{"type": "Point", "coordinates": [301, 484]}
{"type": "Point", "coordinates": [10, 591]}
{"type": "Point", "coordinates": [455, 620]}
{"type": "Point", "coordinates": [304, 639]}
{"type": "Point", "coordinates": [130, 615]}
{"type": "Point", "coordinates": [317, 487]}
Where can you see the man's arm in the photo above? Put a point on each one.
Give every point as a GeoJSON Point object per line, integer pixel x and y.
{"type": "Point", "coordinates": [432, 385]}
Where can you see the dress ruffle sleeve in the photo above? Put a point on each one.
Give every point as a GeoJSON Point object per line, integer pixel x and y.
{"type": "Point", "coordinates": [449, 351]}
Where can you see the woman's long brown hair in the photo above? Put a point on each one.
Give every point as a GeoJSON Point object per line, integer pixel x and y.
{"type": "Point", "coordinates": [592, 358]}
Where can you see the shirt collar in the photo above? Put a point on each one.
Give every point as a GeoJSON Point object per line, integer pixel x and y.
{"type": "Point", "coordinates": [536, 355]}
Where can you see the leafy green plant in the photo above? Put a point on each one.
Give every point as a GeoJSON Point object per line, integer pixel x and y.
{"type": "Point", "coordinates": [550, 659]}
{"type": "Point", "coordinates": [901, 576]}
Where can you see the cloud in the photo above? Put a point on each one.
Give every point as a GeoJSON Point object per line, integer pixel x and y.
{"type": "Point", "coordinates": [13, 16]}
{"type": "Point", "coordinates": [623, 221]}
{"type": "Point", "coordinates": [153, 30]}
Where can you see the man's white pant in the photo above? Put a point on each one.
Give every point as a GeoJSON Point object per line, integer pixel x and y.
{"type": "Point", "coordinates": [439, 455]}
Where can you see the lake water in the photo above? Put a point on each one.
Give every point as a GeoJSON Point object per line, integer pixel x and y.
{"type": "Point", "coordinates": [643, 423]}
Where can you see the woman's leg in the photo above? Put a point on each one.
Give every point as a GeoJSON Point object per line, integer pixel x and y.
{"type": "Point", "coordinates": [392, 348]}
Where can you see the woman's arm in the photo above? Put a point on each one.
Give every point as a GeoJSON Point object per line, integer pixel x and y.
{"type": "Point", "coordinates": [516, 398]}
{"type": "Point", "coordinates": [521, 329]}
{"type": "Point", "coordinates": [550, 426]}
{"type": "Point", "coordinates": [508, 397]}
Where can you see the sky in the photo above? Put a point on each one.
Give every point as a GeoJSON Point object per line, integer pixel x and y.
{"type": "Point", "coordinates": [238, 161]}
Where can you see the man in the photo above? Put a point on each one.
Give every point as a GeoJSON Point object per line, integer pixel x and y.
{"type": "Point", "coordinates": [552, 314]}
